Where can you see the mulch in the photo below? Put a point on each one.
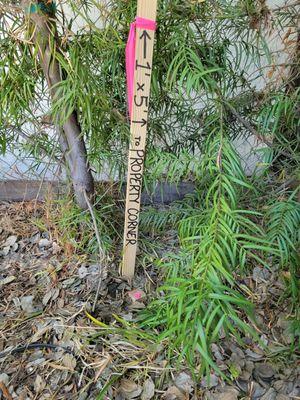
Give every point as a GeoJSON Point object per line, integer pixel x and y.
{"type": "Point", "coordinates": [53, 345]}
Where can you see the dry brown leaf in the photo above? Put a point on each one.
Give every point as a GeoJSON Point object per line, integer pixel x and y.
{"type": "Point", "coordinates": [148, 390]}
{"type": "Point", "coordinates": [69, 361]}
{"type": "Point", "coordinates": [39, 384]}
{"type": "Point", "coordinates": [173, 393]}
{"type": "Point", "coordinates": [130, 389]}
{"type": "Point", "coordinates": [184, 382]}
{"type": "Point", "coordinates": [5, 392]}
{"type": "Point", "coordinates": [102, 365]}
{"type": "Point", "coordinates": [11, 240]}
{"type": "Point", "coordinates": [69, 249]}
{"type": "Point", "coordinates": [59, 367]}
{"type": "Point", "coordinates": [40, 332]}
{"type": "Point", "coordinates": [7, 280]}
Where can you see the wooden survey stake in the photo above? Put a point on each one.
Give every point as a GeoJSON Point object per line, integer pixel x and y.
{"type": "Point", "coordinates": [138, 130]}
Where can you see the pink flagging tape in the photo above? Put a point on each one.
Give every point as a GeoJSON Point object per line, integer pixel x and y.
{"type": "Point", "coordinates": [141, 23]}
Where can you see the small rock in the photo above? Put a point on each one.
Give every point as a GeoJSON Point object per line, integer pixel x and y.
{"type": "Point", "coordinates": [43, 243]}
{"type": "Point", "coordinates": [249, 366]}
{"type": "Point", "coordinates": [35, 238]}
{"type": "Point", "coordinates": [269, 395]}
{"type": "Point", "coordinates": [288, 387]}
{"type": "Point", "coordinates": [136, 306]}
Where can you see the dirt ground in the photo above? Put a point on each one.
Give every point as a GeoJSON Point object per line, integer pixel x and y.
{"type": "Point", "coordinates": [54, 346]}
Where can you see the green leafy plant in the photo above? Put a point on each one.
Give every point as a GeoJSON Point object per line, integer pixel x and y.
{"type": "Point", "coordinates": [283, 231]}
{"type": "Point", "coordinates": [201, 298]}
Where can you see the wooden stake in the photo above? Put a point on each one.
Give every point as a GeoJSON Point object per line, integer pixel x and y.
{"type": "Point", "coordinates": [138, 131]}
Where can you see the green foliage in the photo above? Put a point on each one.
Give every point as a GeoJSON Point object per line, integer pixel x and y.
{"type": "Point", "coordinates": [203, 50]}
{"type": "Point", "coordinates": [201, 298]}
{"type": "Point", "coordinates": [283, 231]}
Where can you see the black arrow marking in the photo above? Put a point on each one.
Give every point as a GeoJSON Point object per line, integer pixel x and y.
{"type": "Point", "coordinates": [145, 35]}
{"type": "Point", "coordinates": [142, 122]}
